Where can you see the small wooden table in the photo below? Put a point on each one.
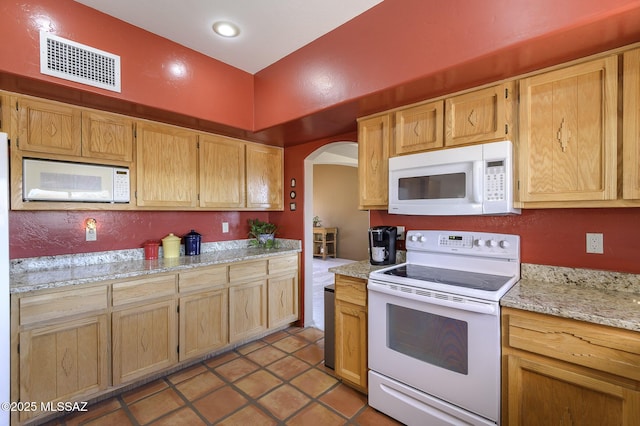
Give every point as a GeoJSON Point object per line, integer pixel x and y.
{"type": "Point", "coordinates": [325, 242]}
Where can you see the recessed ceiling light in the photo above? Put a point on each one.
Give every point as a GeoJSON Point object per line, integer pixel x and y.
{"type": "Point", "coordinates": [226, 29]}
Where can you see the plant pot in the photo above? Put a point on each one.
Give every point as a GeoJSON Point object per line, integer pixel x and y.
{"type": "Point", "coordinates": [263, 238]}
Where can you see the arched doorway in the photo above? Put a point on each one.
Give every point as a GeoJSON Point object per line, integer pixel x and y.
{"type": "Point", "coordinates": [343, 153]}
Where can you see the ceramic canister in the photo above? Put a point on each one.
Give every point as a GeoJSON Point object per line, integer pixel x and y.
{"type": "Point", "coordinates": [192, 243]}
{"type": "Point", "coordinates": [151, 249]}
{"type": "Point", "coordinates": [171, 246]}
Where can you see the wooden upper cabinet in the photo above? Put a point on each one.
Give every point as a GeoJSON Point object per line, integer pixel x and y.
{"type": "Point", "coordinates": [631, 126]}
{"type": "Point", "coordinates": [48, 127]}
{"type": "Point", "coordinates": [373, 162]}
{"type": "Point", "coordinates": [54, 128]}
{"type": "Point", "coordinates": [222, 172]}
{"type": "Point", "coordinates": [107, 136]}
{"type": "Point", "coordinates": [264, 166]}
{"type": "Point", "coordinates": [419, 128]}
{"type": "Point", "coordinates": [568, 133]}
{"type": "Point", "coordinates": [166, 161]}
{"type": "Point", "coordinates": [485, 115]}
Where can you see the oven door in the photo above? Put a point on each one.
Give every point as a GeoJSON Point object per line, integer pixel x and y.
{"type": "Point", "coordinates": [445, 346]}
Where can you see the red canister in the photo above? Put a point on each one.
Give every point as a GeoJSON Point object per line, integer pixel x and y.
{"type": "Point", "coordinates": [151, 249]}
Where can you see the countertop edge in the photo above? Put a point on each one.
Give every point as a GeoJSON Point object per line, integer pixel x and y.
{"type": "Point", "coordinates": [25, 282]}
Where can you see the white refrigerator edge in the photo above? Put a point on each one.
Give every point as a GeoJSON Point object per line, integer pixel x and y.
{"type": "Point", "coordinates": [5, 323]}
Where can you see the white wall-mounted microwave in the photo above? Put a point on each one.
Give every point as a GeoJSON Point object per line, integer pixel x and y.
{"type": "Point", "coordinates": [470, 180]}
{"type": "Point", "coordinates": [49, 180]}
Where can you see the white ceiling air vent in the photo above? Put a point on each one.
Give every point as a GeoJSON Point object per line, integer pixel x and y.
{"type": "Point", "coordinates": [76, 62]}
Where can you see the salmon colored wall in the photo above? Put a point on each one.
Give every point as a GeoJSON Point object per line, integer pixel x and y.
{"type": "Point", "coordinates": [208, 89]}
{"type": "Point", "coordinates": [551, 236]}
{"type": "Point", "coordinates": [320, 89]}
{"type": "Point", "coordinates": [402, 51]}
{"type": "Point", "coordinates": [34, 234]}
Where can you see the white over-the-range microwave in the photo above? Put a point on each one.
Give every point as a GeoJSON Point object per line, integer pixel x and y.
{"type": "Point", "coordinates": [49, 180]}
{"type": "Point", "coordinates": [470, 180]}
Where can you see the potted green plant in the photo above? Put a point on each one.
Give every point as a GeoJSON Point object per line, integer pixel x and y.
{"type": "Point", "coordinates": [262, 233]}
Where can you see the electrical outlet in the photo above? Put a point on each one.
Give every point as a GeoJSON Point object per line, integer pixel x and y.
{"type": "Point", "coordinates": [225, 227]}
{"type": "Point", "coordinates": [595, 243]}
{"type": "Point", "coordinates": [91, 234]}
{"type": "Point", "coordinates": [400, 234]}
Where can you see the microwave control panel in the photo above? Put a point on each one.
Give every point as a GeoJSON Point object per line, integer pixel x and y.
{"type": "Point", "coordinates": [495, 176]}
{"type": "Point", "coordinates": [121, 192]}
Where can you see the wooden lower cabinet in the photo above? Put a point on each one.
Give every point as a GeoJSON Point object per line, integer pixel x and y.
{"type": "Point", "coordinates": [60, 347]}
{"type": "Point", "coordinates": [282, 297]}
{"type": "Point", "coordinates": [203, 323]}
{"type": "Point", "coordinates": [247, 309]}
{"type": "Point", "coordinates": [567, 372]}
{"type": "Point", "coordinates": [77, 343]}
{"type": "Point", "coordinates": [63, 361]}
{"type": "Point", "coordinates": [351, 331]}
{"type": "Point", "coordinates": [144, 340]}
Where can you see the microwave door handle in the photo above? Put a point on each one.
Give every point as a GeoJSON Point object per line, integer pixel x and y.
{"type": "Point", "coordinates": [477, 181]}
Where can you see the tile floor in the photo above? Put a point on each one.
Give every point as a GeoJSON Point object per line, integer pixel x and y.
{"type": "Point", "coordinates": [277, 380]}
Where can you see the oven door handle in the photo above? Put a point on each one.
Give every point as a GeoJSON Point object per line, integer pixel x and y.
{"type": "Point", "coordinates": [469, 305]}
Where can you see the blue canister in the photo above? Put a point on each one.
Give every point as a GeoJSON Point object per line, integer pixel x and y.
{"type": "Point", "coordinates": [192, 243]}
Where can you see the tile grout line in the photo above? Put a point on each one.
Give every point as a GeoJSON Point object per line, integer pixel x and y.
{"type": "Point", "coordinates": [312, 341]}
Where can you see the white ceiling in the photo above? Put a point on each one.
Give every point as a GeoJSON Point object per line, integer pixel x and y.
{"type": "Point", "coordinates": [269, 29]}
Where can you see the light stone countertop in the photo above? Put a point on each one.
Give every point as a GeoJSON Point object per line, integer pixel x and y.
{"type": "Point", "coordinates": [600, 297]}
{"type": "Point", "coordinates": [34, 274]}
{"type": "Point", "coordinates": [360, 269]}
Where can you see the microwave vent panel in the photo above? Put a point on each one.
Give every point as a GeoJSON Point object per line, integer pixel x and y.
{"type": "Point", "coordinates": [73, 61]}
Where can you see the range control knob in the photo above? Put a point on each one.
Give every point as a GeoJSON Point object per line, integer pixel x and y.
{"type": "Point", "coordinates": [422, 238]}
{"type": "Point", "coordinates": [415, 237]}
{"type": "Point", "coordinates": [492, 243]}
{"type": "Point", "coordinates": [504, 244]}
{"type": "Point", "coordinates": [479, 243]}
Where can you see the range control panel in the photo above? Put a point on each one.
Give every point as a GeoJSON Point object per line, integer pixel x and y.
{"type": "Point", "coordinates": [464, 242]}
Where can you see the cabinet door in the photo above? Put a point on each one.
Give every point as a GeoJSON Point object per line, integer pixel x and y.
{"type": "Point", "coordinates": [545, 393]}
{"type": "Point", "coordinates": [203, 323]}
{"type": "Point", "coordinates": [482, 116]}
{"type": "Point", "coordinates": [419, 128]}
{"type": "Point", "coordinates": [48, 127]}
{"type": "Point", "coordinates": [264, 177]}
{"type": "Point", "coordinates": [283, 300]}
{"type": "Point", "coordinates": [631, 126]}
{"type": "Point", "coordinates": [568, 139]}
{"type": "Point", "coordinates": [247, 309]}
{"type": "Point", "coordinates": [222, 171]}
{"type": "Point", "coordinates": [107, 136]}
{"type": "Point", "coordinates": [144, 340]}
{"type": "Point", "coordinates": [373, 162]}
{"type": "Point", "coordinates": [351, 344]}
{"type": "Point", "coordinates": [64, 361]}
{"type": "Point", "coordinates": [166, 166]}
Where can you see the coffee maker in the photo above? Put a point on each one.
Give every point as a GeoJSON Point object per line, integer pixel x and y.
{"type": "Point", "coordinates": [382, 245]}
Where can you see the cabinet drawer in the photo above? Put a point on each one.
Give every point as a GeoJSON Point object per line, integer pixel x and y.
{"type": "Point", "coordinates": [249, 270]}
{"type": "Point", "coordinates": [144, 289]}
{"type": "Point", "coordinates": [352, 290]}
{"type": "Point", "coordinates": [603, 348]}
{"type": "Point", "coordinates": [46, 307]}
{"type": "Point", "coordinates": [203, 279]}
{"type": "Point", "coordinates": [283, 264]}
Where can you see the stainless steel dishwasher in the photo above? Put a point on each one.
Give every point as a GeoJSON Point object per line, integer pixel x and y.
{"type": "Point", "coordinates": [329, 326]}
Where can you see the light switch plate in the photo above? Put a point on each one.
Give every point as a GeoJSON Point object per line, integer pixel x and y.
{"type": "Point", "coordinates": [225, 227]}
